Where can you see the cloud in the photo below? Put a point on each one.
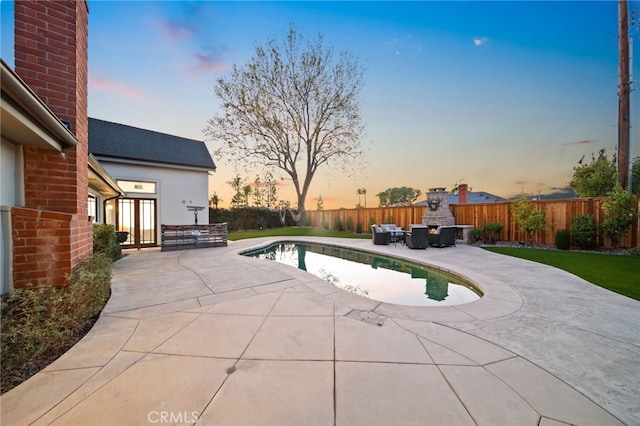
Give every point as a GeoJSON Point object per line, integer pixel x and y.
{"type": "Point", "coordinates": [209, 62]}
{"type": "Point", "coordinates": [480, 41]}
{"type": "Point", "coordinates": [184, 20]}
{"type": "Point", "coordinates": [582, 142]}
{"type": "Point", "coordinates": [189, 32]}
{"type": "Point", "coordinates": [112, 87]}
{"type": "Point", "coordinates": [174, 30]}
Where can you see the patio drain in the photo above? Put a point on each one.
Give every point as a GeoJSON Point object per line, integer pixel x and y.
{"type": "Point", "coordinates": [367, 317]}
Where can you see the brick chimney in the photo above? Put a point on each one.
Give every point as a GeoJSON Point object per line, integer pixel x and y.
{"type": "Point", "coordinates": [463, 191]}
{"type": "Point", "coordinates": [51, 57]}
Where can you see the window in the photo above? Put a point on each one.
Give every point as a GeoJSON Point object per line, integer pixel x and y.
{"type": "Point", "coordinates": [137, 186]}
{"type": "Point", "coordinates": [92, 208]}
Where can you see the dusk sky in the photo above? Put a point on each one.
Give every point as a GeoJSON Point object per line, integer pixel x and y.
{"type": "Point", "coordinates": [503, 96]}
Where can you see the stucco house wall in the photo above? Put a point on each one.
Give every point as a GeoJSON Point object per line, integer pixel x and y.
{"type": "Point", "coordinates": [11, 194]}
{"type": "Point", "coordinates": [177, 188]}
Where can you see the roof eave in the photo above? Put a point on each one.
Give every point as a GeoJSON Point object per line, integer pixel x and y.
{"type": "Point", "coordinates": [104, 178]}
{"type": "Point", "coordinates": [114, 159]}
{"type": "Point", "coordinates": [26, 120]}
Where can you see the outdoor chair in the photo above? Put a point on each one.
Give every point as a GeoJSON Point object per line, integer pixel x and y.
{"type": "Point", "coordinates": [380, 237]}
{"type": "Point", "coordinates": [416, 238]}
{"type": "Point", "coordinates": [443, 237]}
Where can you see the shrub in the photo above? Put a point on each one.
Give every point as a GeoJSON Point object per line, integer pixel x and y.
{"type": "Point", "coordinates": [635, 251]}
{"type": "Point", "coordinates": [491, 231]}
{"type": "Point", "coordinates": [337, 224]}
{"type": "Point", "coordinates": [105, 241]}
{"type": "Point", "coordinates": [349, 224]}
{"type": "Point", "coordinates": [584, 231]}
{"type": "Point", "coordinates": [89, 285]}
{"type": "Point", "coordinates": [359, 228]}
{"type": "Point", "coordinates": [527, 217]}
{"type": "Point", "coordinates": [619, 209]}
{"type": "Point", "coordinates": [563, 239]}
{"type": "Point", "coordinates": [41, 323]}
{"type": "Point", "coordinates": [249, 218]}
{"type": "Point", "coordinates": [478, 233]}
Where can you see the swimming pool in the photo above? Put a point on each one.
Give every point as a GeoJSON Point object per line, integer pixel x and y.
{"type": "Point", "coordinates": [381, 278]}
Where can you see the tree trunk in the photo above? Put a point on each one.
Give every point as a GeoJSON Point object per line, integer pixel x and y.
{"type": "Point", "coordinates": [302, 213]}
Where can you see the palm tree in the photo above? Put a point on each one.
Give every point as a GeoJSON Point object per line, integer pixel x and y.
{"type": "Point", "coordinates": [362, 191]}
{"type": "Point", "coordinates": [215, 200]}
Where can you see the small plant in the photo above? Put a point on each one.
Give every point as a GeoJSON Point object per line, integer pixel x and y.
{"type": "Point", "coordinates": [359, 228]}
{"type": "Point", "coordinates": [105, 241]}
{"type": "Point", "coordinates": [584, 231]}
{"type": "Point", "coordinates": [337, 224]}
{"type": "Point", "coordinates": [619, 210]}
{"type": "Point", "coordinates": [528, 218]}
{"type": "Point", "coordinates": [635, 251]}
{"type": "Point", "coordinates": [478, 233]}
{"type": "Point", "coordinates": [563, 239]}
{"type": "Point", "coordinates": [349, 224]}
{"type": "Point", "coordinates": [491, 231]}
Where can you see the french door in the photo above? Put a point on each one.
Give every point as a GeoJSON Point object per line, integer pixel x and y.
{"type": "Point", "coordinates": [138, 217]}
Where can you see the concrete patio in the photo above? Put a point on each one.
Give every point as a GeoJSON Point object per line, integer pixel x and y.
{"type": "Point", "coordinates": [210, 337]}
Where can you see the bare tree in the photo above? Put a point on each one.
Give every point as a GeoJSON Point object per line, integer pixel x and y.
{"type": "Point", "coordinates": [294, 106]}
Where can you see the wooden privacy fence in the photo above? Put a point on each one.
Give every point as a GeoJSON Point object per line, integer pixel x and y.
{"type": "Point", "coordinates": [184, 237]}
{"type": "Point", "coordinates": [558, 214]}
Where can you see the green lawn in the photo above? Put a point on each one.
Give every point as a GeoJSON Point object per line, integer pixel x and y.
{"type": "Point", "coordinates": [616, 273]}
{"type": "Point", "coordinates": [290, 231]}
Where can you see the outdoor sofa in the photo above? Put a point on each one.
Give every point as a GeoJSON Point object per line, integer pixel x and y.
{"type": "Point", "coordinates": [396, 232]}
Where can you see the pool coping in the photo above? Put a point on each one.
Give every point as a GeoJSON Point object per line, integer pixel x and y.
{"type": "Point", "coordinates": [498, 300]}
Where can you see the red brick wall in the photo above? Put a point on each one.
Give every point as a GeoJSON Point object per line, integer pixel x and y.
{"type": "Point", "coordinates": [42, 247]}
{"type": "Point", "coordinates": [51, 57]}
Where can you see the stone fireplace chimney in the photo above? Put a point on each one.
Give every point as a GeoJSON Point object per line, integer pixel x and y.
{"type": "Point", "coordinates": [463, 191]}
{"type": "Point", "coordinates": [438, 213]}
{"type": "Point", "coordinates": [51, 58]}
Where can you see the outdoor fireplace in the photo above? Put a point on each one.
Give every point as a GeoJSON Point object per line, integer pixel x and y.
{"type": "Point", "coordinates": [438, 213]}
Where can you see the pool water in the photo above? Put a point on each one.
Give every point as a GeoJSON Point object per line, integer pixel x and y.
{"type": "Point", "coordinates": [381, 278]}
